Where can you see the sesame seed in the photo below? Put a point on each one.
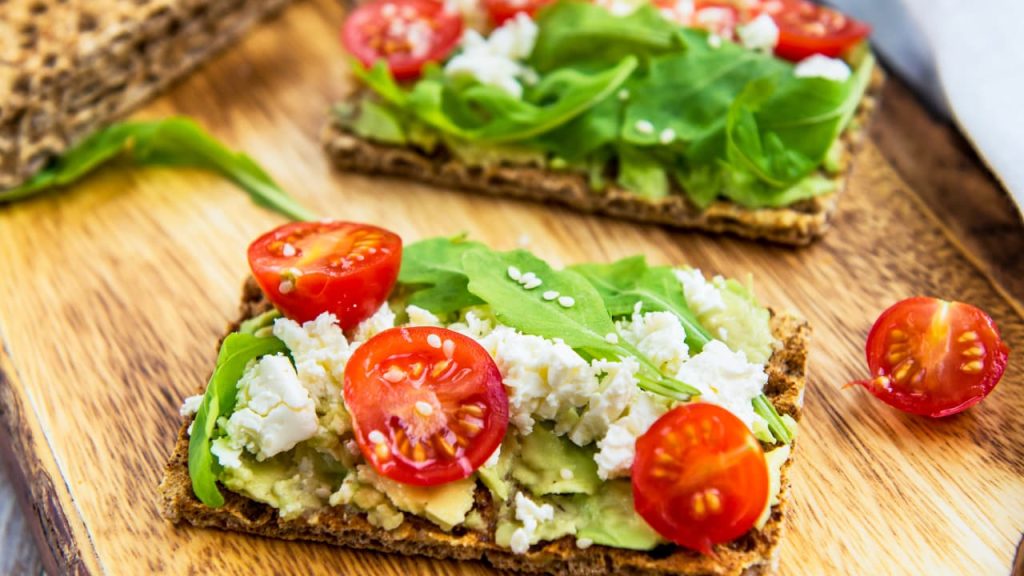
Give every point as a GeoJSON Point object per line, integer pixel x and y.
{"type": "Point", "coordinates": [644, 127]}
{"type": "Point", "coordinates": [584, 543]}
{"type": "Point", "coordinates": [394, 374]}
{"type": "Point", "coordinates": [611, 338]}
{"type": "Point", "coordinates": [288, 250]}
{"type": "Point", "coordinates": [286, 286]}
{"type": "Point", "coordinates": [623, 94]}
{"type": "Point", "coordinates": [667, 136]}
{"type": "Point", "coordinates": [376, 436]}
{"type": "Point", "coordinates": [550, 295]}
{"type": "Point", "coordinates": [449, 348]}
{"type": "Point", "coordinates": [424, 408]}
{"type": "Point", "coordinates": [434, 341]}
{"type": "Point", "coordinates": [515, 274]}
{"type": "Point", "coordinates": [566, 474]}
{"type": "Point", "coordinates": [566, 301]}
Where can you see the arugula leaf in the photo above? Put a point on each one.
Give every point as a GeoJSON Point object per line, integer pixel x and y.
{"type": "Point", "coordinates": [573, 32]}
{"type": "Point", "coordinates": [236, 352]}
{"type": "Point", "coordinates": [776, 425]}
{"type": "Point", "coordinates": [640, 172]}
{"type": "Point", "coordinates": [624, 283]}
{"type": "Point", "coordinates": [169, 142]}
{"type": "Point", "coordinates": [584, 325]}
{"type": "Point", "coordinates": [432, 271]}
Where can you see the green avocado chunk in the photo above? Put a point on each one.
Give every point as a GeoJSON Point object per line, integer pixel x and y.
{"type": "Point", "coordinates": [550, 464]}
{"type": "Point", "coordinates": [743, 324]}
{"type": "Point", "coordinates": [608, 518]}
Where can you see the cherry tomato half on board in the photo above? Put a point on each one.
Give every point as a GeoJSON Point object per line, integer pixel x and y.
{"type": "Point", "coordinates": [934, 358]}
{"type": "Point", "coordinates": [699, 477]}
{"type": "Point", "coordinates": [806, 28]}
{"type": "Point", "coordinates": [405, 33]}
{"type": "Point", "coordinates": [307, 268]}
{"type": "Point", "coordinates": [502, 10]}
{"type": "Point", "coordinates": [428, 405]}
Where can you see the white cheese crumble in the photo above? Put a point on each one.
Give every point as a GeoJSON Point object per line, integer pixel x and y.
{"type": "Point", "coordinates": [273, 413]}
{"type": "Point", "coordinates": [701, 296]}
{"type": "Point", "coordinates": [421, 317]}
{"type": "Point", "coordinates": [320, 351]}
{"type": "Point", "coordinates": [615, 392]}
{"type": "Point", "coordinates": [191, 405]}
{"type": "Point", "coordinates": [761, 33]}
{"type": "Point", "coordinates": [819, 66]}
{"type": "Point", "coordinates": [727, 379]}
{"type": "Point", "coordinates": [532, 516]}
{"type": "Point", "coordinates": [381, 320]}
{"type": "Point", "coordinates": [659, 336]}
{"type": "Point", "coordinates": [617, 449]}
{"type": "Point", "coordinates": [498, 59]}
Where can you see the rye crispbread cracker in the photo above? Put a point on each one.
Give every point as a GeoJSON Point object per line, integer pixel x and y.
{"type": "Point", "coordinates": [754, 553]}
{"type": "Point", "coordinates": [797, 224]}
{"type": "Point", "coordinates": [68, 68]}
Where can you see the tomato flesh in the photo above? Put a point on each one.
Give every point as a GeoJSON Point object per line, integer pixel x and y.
{"type": "Point", "coordinates": [307, 268]}
{"type": "Point", "coordinates": [405, 33]}
{"type": "Point", "coordinates": [502, 10]}
{"type": "Point", "coordinates": [934, 358]}
{"type": "Point", "coordinates": [700, 476]}
{"type": "Point", "coordinates": [428, 405]}
{"type": "Point", "coordinates": [806, 29]}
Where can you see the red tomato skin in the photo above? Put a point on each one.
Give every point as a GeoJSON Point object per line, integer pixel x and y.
{"type": "Point", "coordinates": [374, 402]}
{"type": "Point", "coordinates": [352, 296]}
{"type": "Point", "coordinates": [446, 30]}
{"type": "Point", "coordinates": [501, 11]}
{"type": "Point", "coordinates": [728, 460]}
{"type": "Point", "coordinates": [796, 44]}
{"type": "Point", "coordinates": [966, 391]}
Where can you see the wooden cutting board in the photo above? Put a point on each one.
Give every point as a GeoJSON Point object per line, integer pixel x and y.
{"type": "Point", "coordinates": [114, 293]}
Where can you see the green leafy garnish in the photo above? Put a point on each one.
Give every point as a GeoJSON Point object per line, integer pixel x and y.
{"type": "Point", "coordinates": [170, 142]}
{"type": "Point", "coordinates": [237, 350]}
{"type": "Point", "coordinates": [776, 425]}
{"type": "Point", "coordinates": [626, 282]}
{"type": "Point", "coordinates": [582, 323]}
{"type": "Point", "coordinates": [433, 269]}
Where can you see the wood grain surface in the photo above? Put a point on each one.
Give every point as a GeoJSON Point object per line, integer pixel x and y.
{"type": "Point", "coordinates": [114, 294]}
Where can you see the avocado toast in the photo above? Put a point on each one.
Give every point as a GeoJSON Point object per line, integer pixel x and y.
{"type": "Point", "coordinates": [685, 128]}
{"type": "Point", "coordinates": [559, 463]}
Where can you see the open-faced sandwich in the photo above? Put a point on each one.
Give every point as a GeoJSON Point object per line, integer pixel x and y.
{"type": "Point", "coordinates": [458, 402]}
{"type": "Point", "coordinates": [727, 116]}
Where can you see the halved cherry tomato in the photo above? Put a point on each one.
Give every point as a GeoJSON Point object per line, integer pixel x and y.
{"type": "Point", "coordinates": [502, 10]}
{"type": "Point", "coordinates": [934, 358]}
{"type": "Point", "coordinates": [428, 405]}
{"type": "Point", "coordinates": [806, 28]}
{"type": "Point", "coordinates": [405, 33]}
{"type": "Point", "coordinates": [699, 477]}
{"type": "Point", "coordinates": [307, 268]}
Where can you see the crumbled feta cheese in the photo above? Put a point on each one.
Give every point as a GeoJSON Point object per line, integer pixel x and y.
{"type": "Point", "coordinates": [819, 66]}
{"type": "Point", "coordinates": [542, 377]}
{"type": "Point", "coordinates": [191, 405]}
{"type": "Point", "coordinates": [320, 351]}
{"type": "Point", "coordinates": [498, 59]}
{"type": "Point", "coordinates": [421, 317]}
{"type": "Point", "coordinates": [381, 320]}
{"type": "Point", "coordinates": [726, 378]}
{"type": "Point", "coordinates": [473, 325]}
{"type": "Point", "coordinates": [761, 33]}
{"type": "Point", "coordinates": [273, 411]}
{"type": "Point", "coordinates": [532, 516]}
{"type": "Point", "coordinates": [566, 301]}
{"type": "Point", "coordinates": [617, 449]}
{"type": "Point", "coordinates": [659, 336]}
{"type": "Point", "coordinates": [701, 296]}
{"type": "Point", "coordinates": [644, 127]}
{"type": "Point", "coordinates": [667, 136]}
{"type": "Point", "coordinates": [617, 388]}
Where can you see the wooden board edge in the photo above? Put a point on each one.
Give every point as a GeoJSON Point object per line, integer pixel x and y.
{"type": "Point", "coordinates": [41, 499]}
